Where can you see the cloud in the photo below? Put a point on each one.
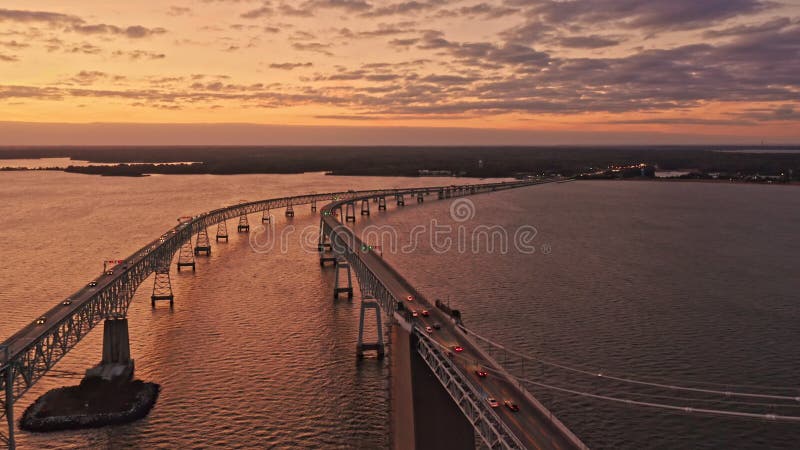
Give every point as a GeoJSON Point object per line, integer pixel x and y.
{"type": "Point", "coordinates": [646, 14]}
{"type": "Point", "coordinates": [264, 11]}
{"type": "Point", "coordinates": [313, 47]}
{"type": "Point", "coordinates": [289, 66]}
{"type": "Point", "coordinates": [592, 41]}
{"type": "Point", "coordinates": [75, 23]}
{"type": "Point", "coordinates": [775, 24]}
{"type": "Point", "coordinates": [139, 54]}
{"type": "Point", "coordinates": [179, 11]}
{"type": "Point", "coordinates": [14, 45]}
{"type": "Point", "coordinates": [8, 58]}
{"type": "Point", "coordinates": [133, 32]}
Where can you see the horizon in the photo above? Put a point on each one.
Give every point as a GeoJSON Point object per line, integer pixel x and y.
{"type": "Point", "coordinates": [434, 72]}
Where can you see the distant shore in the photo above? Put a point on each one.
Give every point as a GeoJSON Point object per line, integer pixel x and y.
{"type": "Point", "coordinates": [738, 162]}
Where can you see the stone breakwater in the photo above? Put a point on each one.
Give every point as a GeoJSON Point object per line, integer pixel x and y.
{"type": "Point", "coordinates": [94, 403]}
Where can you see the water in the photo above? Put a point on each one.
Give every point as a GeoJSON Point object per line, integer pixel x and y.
{"type": "Point", "coordinates": [255, 353]}
{"type": "Point", "coordinates": [671, 282]}
{"type": "Point", "coordinates": [660, 280]}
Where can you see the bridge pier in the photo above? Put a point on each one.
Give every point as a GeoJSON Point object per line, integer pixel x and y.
{"type": "Point", "coordinates": [162, 286]}
{"type": "Point", "coordinates": [420, 199]}
{"type": "Point", "coordinates": [202, 244]}
{"type": "Point", "coordinates": [350, 212]}
{"type": "Point", "coordinates": [266, 217]}
{"type": "Point", "coordinates": [314, 205]}
{"type": "Point", "coordinates": [401, 200]}
{"type": "Point", "coordinates": [441, 194]}
{"type": "Point", "coordinates": [381, 203]}
{"type": "Point", "coordinates": [289, 210]}
{"type": "Point", "coordinates": [222, 231]}
{"type": "Point", "coordinates": [186, 256]}
{"type": "Point", "coordinates": [342, 266]}
{"type": "Point", "coordinates": [323, 247]}
{"type": "Point", "coordinates": [8, 401]}
{"type": "Point", "coordinates": [117, 362]}
{"type": "Point", "coordinates": [369, 302]}
{"type": "Point", "coordinates": [244, 225]}
{"type": "Point", "coordinates": [365, 207]}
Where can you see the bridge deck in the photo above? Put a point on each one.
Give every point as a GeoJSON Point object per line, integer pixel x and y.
{"type": "Point", "coordinates": [529, 425]}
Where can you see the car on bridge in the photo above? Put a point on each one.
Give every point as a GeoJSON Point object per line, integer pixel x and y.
{"type": "Point", "coordinates": [429, 330]}
{"type": "Point", "coordinates": [480, 372]}
{"type": "Point", "coordinates": [511, 405]}
{"type": "Point", "coordinates": [67, 302]}
{"type": "Point", "coordinates": [425, 313]}
{"type": "Point", "coordinates": [410, 298]}
{"type": "Point", "coordinates": [414, 313]}
{"type": "Point", "coordinates": [492, 402]}
{"type": "Point", "coordinates": [93, 283]}
{"type": "Point", "coordinates": [437, 326]}
{"type": "Point", "coordinates": [109, 272]}
{"type": "Point", "coordinates": [458, 348]}
{"type": "Point", "coordinates": [41, 320]}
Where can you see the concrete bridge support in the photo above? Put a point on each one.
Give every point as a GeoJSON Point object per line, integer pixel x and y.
{"type": "Point", "coordinates": [314, 205]}
{"type": "Point", "coordinates": [244, 225]}
{"type": "Point", "coordinates": [289, 210]}
{"type": "Point", "coordinates": [368, 302]}
{"type": "Point", "coordinates": [8, 402]}
{"type": "Point", "coordinates": [401, 200]}
{"type": "Point", "coordinates": [424, 416]}
{"type": "Point", "coordinates": [266, 217]}
{"type": "Point", "coordinates": [202, 244]}
{"type": "Point", "coordinates": [441, 194]}
{"type": "Point", "coordinates": [420, 198]}
{"type": "Point", "coordinates": [222, 231]}
{"type": "Point", "coordinates": [186, 256]}
{"type": "Point", "coordinates": [343, 282]}
{"type": "Point", "coordinates": [117, 362]}
{"type": "Point", "coordinates": [324, 248]}
{"type": "Point", "coordinates": [162, 286]}
{"type": "Point", "coordinates": [365, 207]}
{"type": "Point", "coordinates": [350, 212]}
{"type": "Point", "coordinates": [381, 203]}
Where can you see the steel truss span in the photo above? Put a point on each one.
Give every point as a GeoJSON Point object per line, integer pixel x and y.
{"type": "Point", "coordinates": [383, 287]}
{"type": "Point", "coordinates": [30, 353]}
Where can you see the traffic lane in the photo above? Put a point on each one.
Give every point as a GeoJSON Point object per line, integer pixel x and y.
{"type": "Point", "coordinates": [527, 424]}
{"type": "Point", "coordinates": [34, 331]}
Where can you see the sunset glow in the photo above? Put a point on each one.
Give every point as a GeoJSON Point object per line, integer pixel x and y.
{"type": "Point", "coordinates": [565, 71]}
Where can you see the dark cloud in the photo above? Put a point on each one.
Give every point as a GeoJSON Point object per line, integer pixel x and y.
{"type": "Point", "coordinates": [8, 58]}
{"type": "Point", "coordinates": [593, 41]}
{"type": "Point", "coordinates": [403, 43]}
{"type": "Point", "coordinates": [645, 14]}
{"type": "Point", "coordinates": [779, 113]}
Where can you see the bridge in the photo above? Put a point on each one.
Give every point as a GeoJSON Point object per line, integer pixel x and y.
{"type": "Point", "coordinates": [30, 353]}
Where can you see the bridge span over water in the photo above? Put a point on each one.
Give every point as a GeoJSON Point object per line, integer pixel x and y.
{"type": "Point", "coordinates": [31, 352]}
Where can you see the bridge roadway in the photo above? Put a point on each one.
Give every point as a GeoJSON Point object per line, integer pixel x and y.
{"type": "Point", "coordinates": [534, 427]}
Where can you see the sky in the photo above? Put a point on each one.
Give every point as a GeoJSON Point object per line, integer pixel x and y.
{"type": "Point", "coordinates": [520, 72]}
